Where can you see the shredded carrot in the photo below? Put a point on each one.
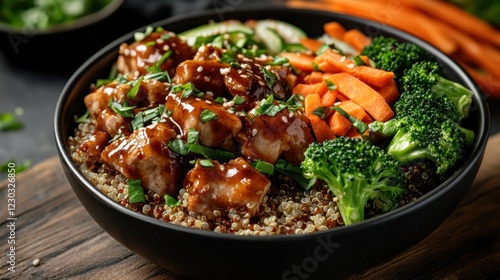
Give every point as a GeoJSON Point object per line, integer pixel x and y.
{"type": "Point", "coordinates": [362, 94]}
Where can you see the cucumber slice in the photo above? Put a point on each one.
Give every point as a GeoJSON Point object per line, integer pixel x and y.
{"type": "Point", "coordinates": [339, 44]}
{"type": "Point", "coordinates": [214, 28]}
{"type": "Point", "coordinates": [271, 40]}
{"type": "Point", "coordinates": [290, 33]}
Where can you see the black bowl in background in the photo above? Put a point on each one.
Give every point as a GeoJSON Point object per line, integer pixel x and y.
{"type": "Point", "coordinates": [330, 254]}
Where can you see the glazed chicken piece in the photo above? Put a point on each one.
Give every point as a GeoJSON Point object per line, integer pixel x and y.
{"type": "Point", "coordinates": [150, 93]}
{"type": "Point", "coordinates": [246, 79]}
{"type": "Point", "coordinates": [145, 155]}
{"type": "Point", "coordinates": [138, 56]}
{"type": "Point", "coordinates": [92, 148]}
{"type": "Point", "coordinates": [235, 184]}
{"type": "Point", "coordinates": [285, 135]}
{"type": "Point", "coordinates": [219, 132]}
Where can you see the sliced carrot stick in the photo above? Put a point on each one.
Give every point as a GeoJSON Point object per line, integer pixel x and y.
{"type": "Point", "coordinates": [339, 125]}
{"type": "Point", "coordinates": [328, 99]}
{"type": "Point", "coordinates": [311, 103]}
{"type": "Point", "coordinates": [334, 29]}
{"type": "Point", "coordinates": [367, 119]}
{"type": "Point", "coordinates": [356, 39]}
{"type": "Point", "coordinates": [314, 77]}
{"type": "Point", "coordinates": [362, 94]}
{"type": "Point", "coordinates": [353, 133]}
{"type": "Point", "coordinates": [373, 76]}
{"type": "Point", "coordinates": [308, 89]}
{"type": "Point", "coordinates": [321, 129]}
{"type": "Point", "coordinates": [390, 92]}
{"type": "Point", "coordinates": [300, 61]}
{"type": "Point", "coordinates": [311, 44]}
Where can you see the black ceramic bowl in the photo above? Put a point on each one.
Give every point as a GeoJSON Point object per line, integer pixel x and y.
{"type": "Point", "coordinates": [324, 255]}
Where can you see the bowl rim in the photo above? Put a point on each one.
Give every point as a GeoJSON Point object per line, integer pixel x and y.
{"type": "Point", "coordinates": [475, 155]}
{"type": "Point", "coordinates": [78, 23]}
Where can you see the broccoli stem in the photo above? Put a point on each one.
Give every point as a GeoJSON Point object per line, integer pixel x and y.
{"type": "Point", "coordinates": [458, 94]}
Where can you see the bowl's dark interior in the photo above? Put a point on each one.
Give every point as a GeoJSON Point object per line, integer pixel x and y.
{"type": "Point", "coordinates": [328, 254]}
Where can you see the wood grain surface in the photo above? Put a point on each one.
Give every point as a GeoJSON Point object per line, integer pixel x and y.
{"type": "Point", "coordinates": [53, 227]}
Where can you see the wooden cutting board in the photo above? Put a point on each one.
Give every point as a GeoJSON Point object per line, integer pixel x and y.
{"type": "Point", "coordinates": [53, 227]}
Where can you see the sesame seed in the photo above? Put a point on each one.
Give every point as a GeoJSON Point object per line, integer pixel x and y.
{"type": "Point", "coordinates": [350, 66]}
{"type": "Point", "coordinates": [206, 79]}
{"type": "Point", "coordinates": [224, 71]}
{"type": "Point", "coordinates": [208, 101]}
{"type": "Point", "coordinates": [284, 119]}
{"type": "Point", "coordinates": [290, 115]}
{"type": "Point", "coordinates": [166, 47]}
{"type": "Point", "coordinates": [342, 59]}
{"type": "Point", "coordinates": [254, 132]}
{"type": "Point", "coordinates": [209, 93]}
{"type": "Point", "coordinates": [244, 76]}
{"type": "Point", "coordinates": [199, 69]}
{"type": "Point", "coordinates": [160, 41]}
{"type": "Point", "coordinates": [126, 52]}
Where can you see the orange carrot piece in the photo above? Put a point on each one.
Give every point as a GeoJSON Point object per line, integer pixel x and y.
{"type": "Point", "coordinates": [367, 119]}
{"type": "Point", "coordinates": [390, 92]}
{"type": "Point", "coordinates": [321, 129]}
{"type": "Point", "coordinates": [356, 39]}
{"type": "Point", "coordinates": [308, 89]}
{"type": "Point", "coordinates": [339, 125]}
{"type": "Point", "coordinates": [362, 94]}
{"type": "Point", "coordinates": [300, 61]}
{"type": "Point", "coordinates": [311, 44]}
{"type": "Point", "coordinates": [370, 75]}
{"type": "Point", "coordinates": [334, 29]}
{"type": "Point", "coordinates": [314, 77]}
{"type": "Point", "coordinates": [353, 133]}
{"type": "Point", "coordinates": [329, 98]}
{"type": "Point", "coordinates": [311, 102]}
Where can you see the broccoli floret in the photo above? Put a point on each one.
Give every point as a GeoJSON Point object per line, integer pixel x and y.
{"type": "Point", "coordinates": [356, 171]}
{"type": "Point", "coordinates": [425, 80]}
{"type": "Point", "coordinates": [427, 121]}
{"type": "Point", "coordinates": [390, 55]}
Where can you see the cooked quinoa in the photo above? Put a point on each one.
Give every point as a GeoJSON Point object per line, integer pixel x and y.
{"type": "Point", "coordinates": [286, 209]}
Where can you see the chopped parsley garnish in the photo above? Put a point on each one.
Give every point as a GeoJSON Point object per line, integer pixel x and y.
{"type": "Point", "coordinates": [210, 153]}
{"type": "Point", "coordinates": [269, 76]}
{"type": "Point", "coordinates": [85, 118]}
{"type": "Point", "coordinates": [219, 100]}
{"type": "Point", "coordinates": [269, 107]}
{"type": "Point", "coordinates": [192, 136]}
{"type": "Point", "coordinates": [156, 68]}
{"type": "Point", "coordinates": [149, 116]}
{"type": "Point", "coordinates": [135, 191]}
{"type": "Point", "coordinates": [122, 79]}
{"type": "Point", "coordinates": [170, 201]}
{"type": "Point", "coordinates": [179, 146]}
{"type": "Point", "coordinates": [187, 90]}
{"type": "Point", "coordinates": [229, 56]}
{"type": "Point", "coordinates": [139, 36]}
{"type": "Point", "coordinates": [207, 115]}
{"type": "Point", "coordinates": [9, 122]}
{"type": "Point", "coordinates": [123, 110]}
{"type": "Point", "coordinates": [263, 167]}
{"type": "Point", "coordinates": [132, 93]}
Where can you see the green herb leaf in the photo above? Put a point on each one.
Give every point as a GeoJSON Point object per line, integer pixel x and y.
{"type": "Point", "coordinates": [294, 171]}
{"type": "Point", "coordinates": [187, 90]}
{"type": "Point", "coordinates": [123, 110]}
{"type": "Point", "coordinates": [321, 112]}
{"type": "Point", "coordinates": [229, 56]}
{"type": "Point", "coordinates": [85, 118]}
{"type": "Point", "coordinates": [170, 201]}
{"type": "Point", "coordinates": [206, 163]}
{"type": "Point", "coordinates": [116, 137]}
{"type": "Point", "coordinates": [279, 60]}
{"type": "Point", "coordinates": [360, 126]}
{"type": "Point", "coordinates": [9, 122]}
{"type": "Point", "coordinates": [330, 85]}
{"type": "Point", "coordinates": [263, 167]}
{"type": "Point", "coordinates": [269, 77]}
{"type": "Point", "coordinates": [132, 93]}
{"type": "Point", "coordinates": [219, 100]}
{"type": "Point", "coordinates": [122, 79]}
{"type": "Point", "coordinates": [192, 136]}
{"type": "Point", "coordinates": [149, 116]}
{"type": "Point", "coordinates": [135, 191]}
{"type": "Point", "coordinates": [179, 146]}
{"type": "Point", "coordinates": [213, 154]}
{"type": "Point", "coordinates": [139, 36]}
{"type": "Point", "coordinates": [268, 107]}
{"type": "Point", "coordinates": [156, 68]}
{"type": "Point", "coordinates": [238, 100]}
{"type": "Point", "coordinates": [357, 60]}
{"type": "Point", "coordinates": [207, 115]}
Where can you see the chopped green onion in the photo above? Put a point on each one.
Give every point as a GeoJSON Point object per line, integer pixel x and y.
{"type": "Point", "coordinates": [135, 191]}
{"type": "Point", "coordinates": [139, 36]}
{"type": "Point", "coordinates": [212, 154]}
{"type": "Point", "coordinates": [207, 115]}
{"type": "Point", "coordinates": [268, 107]}
{"type": "Point", "coordinates": [358, 124]}
{"type": "Point", "coordinates": [238, 100]}
{"type": "Point", "coordinates": [123, 110]}
{"type": "Point", "coordinates": [330, 85]}
{"type": "Point", "coordinates": [148, 116]}
{"type": "Point", "coordinates": [357, 60]}
{"type": "Point", "coordinates": [192, 136]}
{"type": "Point", "coordinates": [321, 112]}
{"type": "Point", "coordinates": [179, 146]}
{"type": "Point", "coordinates": [206, 163]}
{"type": "Point", "coordinates": [187, 90]}
{"type": "Point", "coordinates": [219, 100]}
{"type": "Point", "coordinates": [85, 118]}
{"type": "Point", "coordinates": [269, 77]}
{"type": "Point", "coordinates": [170, 201]}
{"type": "Point", "coordinates": [116, 137]}
{"type": "Point", "coordinates": [132, 93]}
{"type": "Point", "coordinates": [157, 66]}
{"type": "Point", "coordinates": [263, 167]}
